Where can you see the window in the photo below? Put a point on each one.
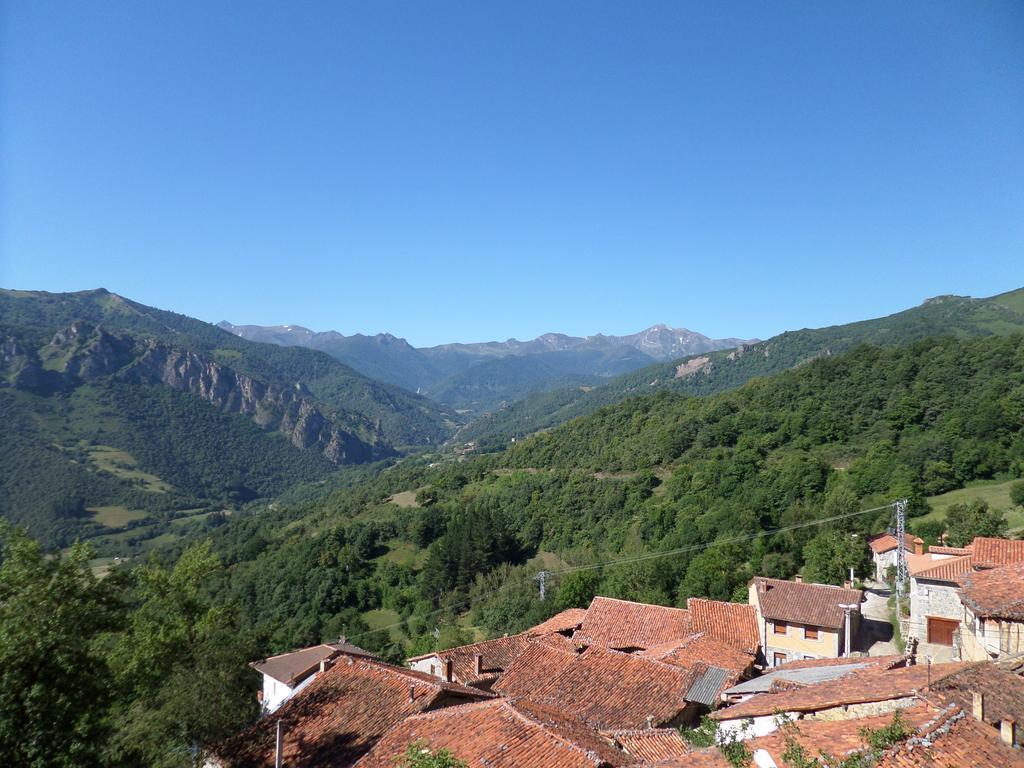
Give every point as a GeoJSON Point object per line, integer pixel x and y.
{"type": "Point", "coordinates": [779, 628]}
{"type": "Point", "coordinates": [810, 633]}
{"type": "Point", "coordinates": [778, 659]}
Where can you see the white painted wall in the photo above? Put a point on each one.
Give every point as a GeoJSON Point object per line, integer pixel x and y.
{"type": "Point", "coordinates": [432, 665]}
{"type": "Point", "coordinates": [275, 693]}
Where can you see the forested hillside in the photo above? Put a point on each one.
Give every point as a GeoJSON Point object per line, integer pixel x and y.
{"type": "Point", "coordinates": [702, 477]}
{"type": "Point", "coordinates": [713, 372]}
{"type": "Point", "coordinates": [119, 419]}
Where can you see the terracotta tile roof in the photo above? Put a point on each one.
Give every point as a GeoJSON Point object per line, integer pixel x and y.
{"type": "Point", "coordinates": [537, 664]}
{"type": "Point", "coordinates": [500, 734]}
{"type": "Point", "coordinates": [950, 570]}
{"type": "Point", "coordinates": [804, 603]}
{"type": "Point", "coordinates": [568, 620]}
{"type": "Point", "coordinates": [996, 593]}
{"type": "Point", "coordinates": [862, 686]}
{"type": "Point", "coordinates": [703, 650]}
{"type": "Point", "coordinates": [341, 714]}
{"type": "Point", "coordinates": [955, 551]}
{"type": "Point", "coordinates": [700, 648]}
{"type": "Point", "coordinates": [1003, 691]}
{"type": "Point", "coordinates": [886, 542]}
{"type": "Point", "coordinates": [495, 656]}
{"type": "Point", "coordinates": [649, 743]}
{"type": "Point", "coordinates": [954, 740]}
{"type": "Point", "coordinates": [700, 758]}
{"type": "Point", "coordinates": [835, 737]}
{"type": "Point", "coordinates": [887, 662]}
{"type": "Point", "coordinates": [989, 552]}
{"type": "Point", "coordinates": [627, 625]}
{"type": "Point", "coordinates": [607, 689]}
{"type": "Point", "coordinates": [733, 623]}
{"type": "Point", "coordinates": [295, 666]}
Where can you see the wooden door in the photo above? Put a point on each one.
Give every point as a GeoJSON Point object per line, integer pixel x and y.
{"type": "Point", "coordinates": [940, 631]}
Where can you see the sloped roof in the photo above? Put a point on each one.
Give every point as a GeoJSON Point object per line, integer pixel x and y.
{"type": "Point", "coordinates": [950, 570]}
{"type": "Point", "coordinates": [537, 664]}
{"type": "Point", "coordinates": [340, 715]}
{"type": "Point", "coordinates": [995, 593]}
{"type": "Point", "coordinates": [295, 666]}
{"type": "Point", "coordinates": [495, 656]}
{"type": "Point", "coordinates": [954, 551]}
{"type": "Point", "coordinates": [649, 743]}
{"type": "Point", "coordinates": [886, 542]}
{"type": "Point", "coordinates": [567, 620]}
{"type": "Point", "coordinates": [887, 662]}
{"type": "Point", "coordinates": [989, 552]}
{"type": "Point", "coordinates": [609, 689]}
{"type": "Point", "coordinates": [805, 603]}
{"type": "Point", "coordinates": [953, 740]}
{"type": "Point", "coordinates": [1003, 691]}
{"type": "Point", "coordinates": [734, 624]}
{"type": "Point", "coordinates": [768, 682]}
{"type": "Point", "coordinates": [500, 734]}
{"type": "Point", "coordinates": [835, 737]}
{"type": "Point", "coordinates": [624, 624]}
{"type": "Point", "coordinates": [861, 686]}
{"type": "Point", "coordinates": [700, 648]}
{"type": "Point", "coordinates": [700, 758]}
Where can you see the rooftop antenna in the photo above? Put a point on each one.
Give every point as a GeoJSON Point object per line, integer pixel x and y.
{"type": "Point", "coordinates": [901, 548]}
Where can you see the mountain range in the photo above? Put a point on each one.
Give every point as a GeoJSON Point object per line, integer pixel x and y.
{"type": "Point", "coordinates": [478, 377]}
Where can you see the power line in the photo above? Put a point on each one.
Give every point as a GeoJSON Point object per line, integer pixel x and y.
{"type": "Point", "coordinates": [636, 559]}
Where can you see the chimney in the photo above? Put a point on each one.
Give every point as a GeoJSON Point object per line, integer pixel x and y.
{"type": "Point", "coordinates": [650, 722]}
{"type": "Point", "coordinates": [479, 659]}
{"type": "Point", "coordinates": [1008, 731]}
{"type": "Point", "coordinates": [918, 546]}
{"type": "Point", "coordinates": [412, 693]}
{"type": "Point", "coordinates": [325, 664]}
{"type": "Point", "coordinates": [342, 640]}
{"type": "Point", "coordinates": [847, 585]}
{"type": "Point", "coordinates": [979, 706]}
{"type": "Point", "coordinates": [448, 669]}
{"type": "Point", "coordinates": [798, 579]}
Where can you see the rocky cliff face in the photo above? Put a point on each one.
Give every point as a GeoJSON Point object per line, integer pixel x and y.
{"type": "Point", "coordinates": [85, 353]}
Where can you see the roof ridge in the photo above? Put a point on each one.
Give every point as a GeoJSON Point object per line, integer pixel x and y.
{"type": "Point", "coordinates": [555, 732]}
{"type": "Point", "coordinates": [635, 602]}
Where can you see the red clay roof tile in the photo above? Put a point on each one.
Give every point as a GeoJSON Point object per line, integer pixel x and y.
{"type": "Point", "coordinates": [989, 552]}
{"type": "Point", "coordinates": [734, 624]}
{"type": "Point", "coordinates": [500, 734]}
{"type": "Point", "coordinates": [623, 624]}
{"type": "Point", "coordinates": [341, 714]}
{"type": "Point", "coordinates": [996, 593]}
{"type": "Point", "coordinates": [805, 603]}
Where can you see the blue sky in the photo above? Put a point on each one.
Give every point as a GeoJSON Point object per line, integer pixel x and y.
{"type": "Point", "coordinates": [469, 171]}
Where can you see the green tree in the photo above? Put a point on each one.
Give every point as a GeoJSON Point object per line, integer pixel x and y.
{"type": "Point", "coordinates": [1017, 493]}
{"type": "Point", "coordinates": [965, 521]}
{"type": "Point", "coordinates": [53, 611]}
{"type": "Point", "coordinates": [419, 755]}
{"type": "Point", "coordinates": [830, 555]}
{"type": "Point", "coordinates": [180, 666]}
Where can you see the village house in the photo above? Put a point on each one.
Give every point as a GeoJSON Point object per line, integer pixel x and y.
{"type": "Point", "coordinates": [798, 620]}
{"type": "Point", "coordinates": [884, 549]}
{"type": "Point", "coordinates": [628, 626]}
{"type": "Point", "coordinates": [612, 690]}
{"type": "Point", "coordinates": [482, 664]}
{"type": "Point", "coordinates": [340, 715]}
{"type": "Point", "coordinates": [288, 672]}
{"type": "Point", "coordinates": [993, 613]}
{"type": "Point", "coordinates": [935, 609]}
{"type": "Point", "coordinates": [796, 674]}
{"type": "Point", "coordinates": [863, 693]}
{"type": "Point", "coordinates": [501, 734]}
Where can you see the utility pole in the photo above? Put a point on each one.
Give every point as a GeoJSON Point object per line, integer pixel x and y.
{"type": "Point", "coordinates": [846, 614]}
{"type": "Point", "coordinates": [278, 746]}
{"type": "Point", "coordinates": [901, 553]}
{"type": "Point", "coordinates": [542, 577]}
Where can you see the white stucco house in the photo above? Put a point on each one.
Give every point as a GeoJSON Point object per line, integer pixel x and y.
{"type": "Point", "coordinates": [883, 551]}
{"type": "Point", "coordinates": [287, 673]}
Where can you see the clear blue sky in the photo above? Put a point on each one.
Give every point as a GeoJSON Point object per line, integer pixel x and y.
{"type": "Point", "coordinates": [476, 170]}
